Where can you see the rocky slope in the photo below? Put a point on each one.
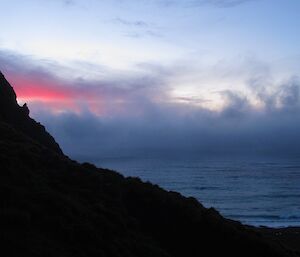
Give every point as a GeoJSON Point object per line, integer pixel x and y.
{"type": "Point", "coordinates": [53, 206]}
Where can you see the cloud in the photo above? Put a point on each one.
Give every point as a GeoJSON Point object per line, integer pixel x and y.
{"type": "Point", "coordinates": [146, 33]}
{"type": "Point", "coordinates": [136, 23]}
{"type": "Point", "coordinates": [200, 3]}
{"type": "Point", "coordinates": [167, 129]}
{"type": "Point", "coordinates": [68, 2]}
{"type": "Point", "coordinates": [138, 28]}
{"type": "Point", "coordinates": [171, 129]}
{"type": "Point", "coordinates": [221, 3]}
{"type": "Point", "coordinates": [106, 96]}
{"type": "Point", "coordinates": [135, 114]}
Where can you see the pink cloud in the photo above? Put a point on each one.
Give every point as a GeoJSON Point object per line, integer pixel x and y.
{"type": "Point", "coordinates": [41, 89]}
{"type": "Point", "coordinates": [114, 95]}
{"type": "Point", "coordinates": [55, 94]}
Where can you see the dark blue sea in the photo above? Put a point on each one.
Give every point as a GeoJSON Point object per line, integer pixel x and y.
{"type": "Point", "coordinates": [260, 192]}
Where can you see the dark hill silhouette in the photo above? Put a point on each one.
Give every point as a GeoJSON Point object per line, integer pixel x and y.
{"type": "Point", "coordinates": [52, 206]}
{"type": "Point", "coordinates": [18, 117]}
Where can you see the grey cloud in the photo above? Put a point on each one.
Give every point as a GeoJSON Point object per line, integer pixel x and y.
{"type": "Point", "coordinates": [173, 128]}
{"type": "Point", "coordinates": [146, 121]}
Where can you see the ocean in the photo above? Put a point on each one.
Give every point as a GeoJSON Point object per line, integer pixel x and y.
{"type": "Point", "coordinates": [259, 192]}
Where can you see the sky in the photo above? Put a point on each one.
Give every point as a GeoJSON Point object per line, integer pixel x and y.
{"type": "Point", "coordinates": [120, 76]}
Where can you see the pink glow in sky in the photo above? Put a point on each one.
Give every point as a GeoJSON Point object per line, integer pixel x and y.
{"type": "Point", "coordinates": [55, 94]}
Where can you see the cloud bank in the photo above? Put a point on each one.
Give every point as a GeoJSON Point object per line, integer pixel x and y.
{"type": "Point", "coordinates": [135, 114]}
